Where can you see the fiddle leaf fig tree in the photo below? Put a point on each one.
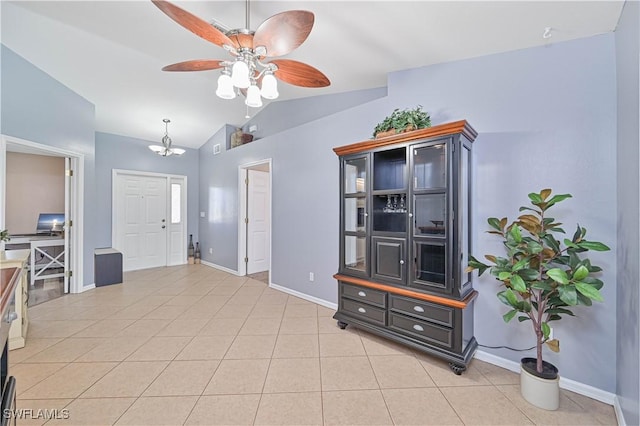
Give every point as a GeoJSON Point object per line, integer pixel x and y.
{"type": "Point", "coordinates": [542, 279]}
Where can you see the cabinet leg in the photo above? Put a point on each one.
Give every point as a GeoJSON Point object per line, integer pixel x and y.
{"type": "Point", "coordinates": [457, 369]}
{"type": "Point", "coordinates": [342, 325]}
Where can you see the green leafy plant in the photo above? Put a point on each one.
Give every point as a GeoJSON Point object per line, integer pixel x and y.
{"type": "Point", "coordinates": [407, 119]}
{"type": "Point", "coordinates": [4, 235]}
{"type": "Point", "coordinates": [543, 279]}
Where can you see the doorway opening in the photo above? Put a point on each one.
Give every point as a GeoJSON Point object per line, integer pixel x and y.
{"type": "Point", "coordinates": [254, 220]}
{"type": "Point", "coordinates": [149, 219]}
{"type": "Point", "coordinates": [41, 204]}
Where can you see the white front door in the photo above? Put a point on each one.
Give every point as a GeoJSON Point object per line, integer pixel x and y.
{"type": "Point", "coordinates": [258, 221]}
{"type": "Point", "coordinates": [141, 221]}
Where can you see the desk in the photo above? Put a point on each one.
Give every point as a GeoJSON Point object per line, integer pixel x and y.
{"type": "Point", "coordinates": [50, 259]}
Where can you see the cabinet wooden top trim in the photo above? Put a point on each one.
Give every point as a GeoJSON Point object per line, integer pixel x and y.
{"type": "Point", "coordinates": [461, 304]}
{"type": "Point", "coordinates": [452, 128]}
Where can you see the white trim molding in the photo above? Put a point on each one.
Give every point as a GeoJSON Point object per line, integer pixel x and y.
{"type": "Point", "coordinates": [304, 296]}
{"type": "Point", "coordinates": [87, 288]}
{"type": "Point", "coordinates": [76, 202]}
{"type": "Point", "coordinates": [222, 268]}
{"type": "Point", "coordinates": [568, 384]}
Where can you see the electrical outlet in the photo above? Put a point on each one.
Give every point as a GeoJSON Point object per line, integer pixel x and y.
{"type": "Point", "coordinates": [210, 250]}
{"type": "Point", "coordinates": [311, 276]}
{"type": "Point", "coordinates": [202, 214]}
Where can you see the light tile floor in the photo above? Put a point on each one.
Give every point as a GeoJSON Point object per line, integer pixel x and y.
{"type": "Point", "coordinates": [197, 346]}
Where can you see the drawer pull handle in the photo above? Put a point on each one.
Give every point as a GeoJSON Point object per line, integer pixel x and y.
{"type": "Point", "coordinates": [418, 308]}
{"type": "Point", "coordinates": [362, 294]}
{"type": "Point", "coordinates": [362, 310]}
{"type": "Point", "coordinates": [418, 327]}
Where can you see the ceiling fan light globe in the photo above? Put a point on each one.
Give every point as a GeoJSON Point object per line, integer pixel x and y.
{"type": "Point", "coordinates": [156, 148]}
{"type": "Point", "coordinates": [269, 87]}
{"type": "Point", "coordinates": [225, 87]}
{"type": "Point", "coordinates": [177, 151]}
{"type": "Point", "coordinates": [240, 75]}
{"type": "Point", "coordinates": [253, 97]}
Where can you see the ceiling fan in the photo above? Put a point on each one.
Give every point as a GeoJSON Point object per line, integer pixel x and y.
{"type": "Point", "coordinates": [276, 36]}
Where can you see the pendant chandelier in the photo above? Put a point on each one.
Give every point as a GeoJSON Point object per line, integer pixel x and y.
{"type": "Point", "coordinates": [165, 149]}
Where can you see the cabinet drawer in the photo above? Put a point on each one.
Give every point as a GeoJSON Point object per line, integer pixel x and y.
{"type": "Point", "coordinates": [364, 311]}
{"type": "Point", "coordinates": [428, 311]}
{"type": "Point", "coordinates": [373, 297]}
{"type": "Point", "coordinates": [422, 330]}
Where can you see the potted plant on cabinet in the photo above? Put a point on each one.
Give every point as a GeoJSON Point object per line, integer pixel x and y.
{"type": "Point", "coordinates": [4, 235]}
{"type": "Point", "coordinates": [402, 121]}
{"type": "Point", "coordinates": [541, 281]}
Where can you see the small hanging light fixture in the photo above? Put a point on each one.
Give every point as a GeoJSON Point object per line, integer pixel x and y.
{"type": "Point", "coordinates": [165, 150]}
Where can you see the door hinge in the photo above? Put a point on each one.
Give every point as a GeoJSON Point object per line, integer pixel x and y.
{"type": "Point", "coordinates": [246, 260]}
{"type": "Point", "coordinates": [453, 148]}
{"type": "Point", "coordinates": [68, 274]}
{"type": "Point", "coordinates": [246, 220]}
{"type": "Point", "coordinates": [68, 173]}
{"type": "Point", "coordinates": [246, 181]}
{"type": "Point", "coordinates": [70, 223]}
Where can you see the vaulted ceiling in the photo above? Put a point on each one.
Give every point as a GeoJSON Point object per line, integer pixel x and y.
{"type": "Point", "coordinates": [112, 52]}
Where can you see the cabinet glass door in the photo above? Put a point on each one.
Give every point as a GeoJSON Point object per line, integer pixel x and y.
{"type": "Point", "coordinates": [464, 219]}
{"type": "Point", "coordinates": [355, 253]}
{"type": "Point", "coordinates": [354, 214]}
{"type": "Point", "coordinates": [430, 167]}
{"type": "Point", "coordinates": [430, 264]}
{"type": "Point", "coordinates": [430, 215]}
{"type": "Point", "coordinates": [355, 175]}
{"type": "Point", "coordinates": [354, 244]}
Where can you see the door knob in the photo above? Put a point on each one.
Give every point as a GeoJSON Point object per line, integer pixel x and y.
{"type": "Point", "coordinates": [163, 220]}
{"type": "Point", "coordinates": [402, 262]}
{"type": "Point", "coordinates": [163, 226]}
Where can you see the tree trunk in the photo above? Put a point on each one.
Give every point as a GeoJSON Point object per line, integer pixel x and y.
{"type": "Point", "coordinates": [539, 351]}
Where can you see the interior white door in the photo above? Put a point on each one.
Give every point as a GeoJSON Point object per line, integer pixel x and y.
{"type": "Point", "coordinates": [141, 221]}
{"type": "Point", "coordinates": [258, 226]}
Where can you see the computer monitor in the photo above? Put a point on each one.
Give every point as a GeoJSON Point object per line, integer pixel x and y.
{"type": "Point", "coordinates": [50, 223]}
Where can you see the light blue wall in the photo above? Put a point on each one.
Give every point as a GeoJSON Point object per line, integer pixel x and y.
{"type": "Point", "coordinates": [122, 152]}
{"type": "Point", "coordinates": [219, 228]}
{"type": "Point", "coordinates": [283, 115]}
{"type": "Point", "coordinates": [628, 304]}
{"type": "Point", "coordinates": [546, 118]}
{"type": "Point", "coordinates": [37, 108]}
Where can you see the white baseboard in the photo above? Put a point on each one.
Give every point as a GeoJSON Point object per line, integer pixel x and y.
{"type": "Point", "coordinates": [87, 288]}
{"type": "Point", "coordinates": [222, 268]}
{"type": "Point", "coordinates": [618, 410]}
{"type": "Point", "coordinates": [568, 384]}
{"type": "Point", "coordinates": [304, 296]}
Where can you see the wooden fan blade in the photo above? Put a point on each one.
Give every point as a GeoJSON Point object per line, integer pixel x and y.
{"type": "Point", "coordinates": [299, 74]}
{"type": "Point", "coordinates": [195, 65]}
{"type": "Point", "coordinates": [193, 23]}
{"type": "Point", "coordinates": [283, 32]}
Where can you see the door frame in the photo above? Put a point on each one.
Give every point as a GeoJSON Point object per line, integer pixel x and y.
{"type": "Point", "coordinates": [75, 203]}
{"type": "Point", "coordinates": [242, 209]}
{"type": "Point", "coordinates": [115, 173]}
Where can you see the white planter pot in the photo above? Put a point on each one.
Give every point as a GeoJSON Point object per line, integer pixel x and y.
{"type": "Point", "coordinates": [543, 393]}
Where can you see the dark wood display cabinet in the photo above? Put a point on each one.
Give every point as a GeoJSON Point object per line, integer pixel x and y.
{"type": "Point", "coordinates": [405, 237]}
